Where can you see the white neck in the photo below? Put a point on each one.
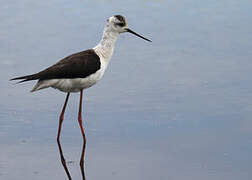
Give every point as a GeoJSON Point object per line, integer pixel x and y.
{"type": "Point", "coordinates": [105, 47]}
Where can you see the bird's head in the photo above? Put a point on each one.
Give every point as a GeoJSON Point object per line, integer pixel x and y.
{"type": "Point", "coordinates": [118, 23]}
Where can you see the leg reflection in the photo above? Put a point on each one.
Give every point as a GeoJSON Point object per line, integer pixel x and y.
{"type": "Point", "coordinates": [82, 161]}
{"type": "Point", "coordinates": [63, 161]}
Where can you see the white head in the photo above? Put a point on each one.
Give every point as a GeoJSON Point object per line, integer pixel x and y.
{"type": "Point", "coordinates": [118, 24]}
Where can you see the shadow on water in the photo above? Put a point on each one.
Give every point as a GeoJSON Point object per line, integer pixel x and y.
{"type": "Point", "coordinates": [63, 161]}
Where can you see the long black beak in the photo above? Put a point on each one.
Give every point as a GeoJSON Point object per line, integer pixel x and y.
{"type": "Point", "coordinates": [132, 32]}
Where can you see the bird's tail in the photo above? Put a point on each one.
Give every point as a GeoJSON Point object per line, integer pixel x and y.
{"type": "Point", "coordinates": [25, 78]}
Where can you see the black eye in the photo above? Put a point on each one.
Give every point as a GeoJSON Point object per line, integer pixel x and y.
{"type": "Point", "coordinates": [120, 24]}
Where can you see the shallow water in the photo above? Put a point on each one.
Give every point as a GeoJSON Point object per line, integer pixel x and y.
{"type": "Point", "coordinates": [177, 108]}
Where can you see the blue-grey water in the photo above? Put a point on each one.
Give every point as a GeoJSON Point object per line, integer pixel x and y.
{"type": "Point", "coordinates": [175, 109]}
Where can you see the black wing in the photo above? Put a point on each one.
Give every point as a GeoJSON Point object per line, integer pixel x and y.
{"type": "Point", "coordinates": [79, 65]}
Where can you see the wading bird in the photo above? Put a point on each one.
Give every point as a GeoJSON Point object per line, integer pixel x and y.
{"type": "Point", "coordinates": [81, 70]}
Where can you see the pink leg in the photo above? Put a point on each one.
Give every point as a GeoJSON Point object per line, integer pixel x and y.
{"type": "Point", "coordinates": [84, 137]}
{"type": "Point", "coordinates": [62, 116]}
{"type": "Point", "coordinates": [58, 138]}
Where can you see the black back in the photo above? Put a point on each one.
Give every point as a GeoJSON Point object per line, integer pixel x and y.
{"type": "Point", "coordinates": [78, 65]}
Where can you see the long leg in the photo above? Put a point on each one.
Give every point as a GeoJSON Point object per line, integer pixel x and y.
{"type": "Point", "coordinates": [84, 137]}
{"type": "Point", "coordinates": [62, 116]}
{"type": "Point", "coordinates": [58, 138]}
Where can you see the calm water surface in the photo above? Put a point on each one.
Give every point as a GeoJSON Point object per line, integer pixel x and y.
{"type": "Point", "coordinates": [177, 108]}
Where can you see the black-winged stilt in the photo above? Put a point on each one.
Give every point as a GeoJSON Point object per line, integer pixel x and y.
{"type": "Point", "coordinates": [81, 70]}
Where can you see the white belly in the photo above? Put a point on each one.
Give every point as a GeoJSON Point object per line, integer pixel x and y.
{"type": "Point", "coordinates": [75, 85]}
{"type": "Point", "coordinates": [71, 85]}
